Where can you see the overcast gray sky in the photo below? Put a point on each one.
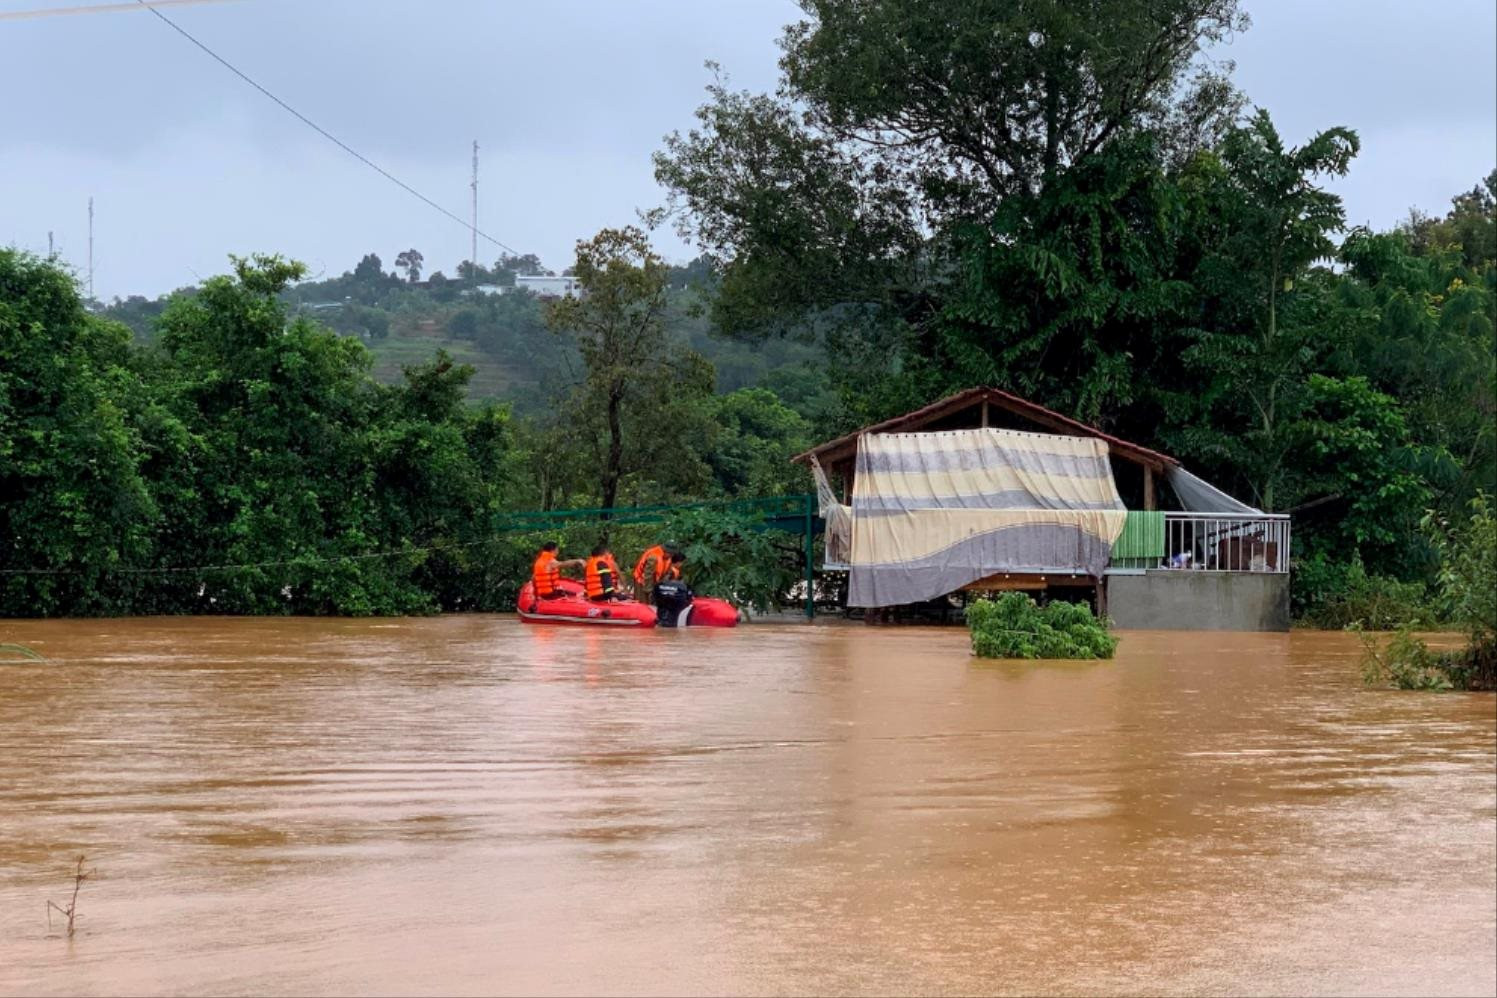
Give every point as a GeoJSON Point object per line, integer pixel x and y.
{"type": "Point", "coordinates": [567, 100]}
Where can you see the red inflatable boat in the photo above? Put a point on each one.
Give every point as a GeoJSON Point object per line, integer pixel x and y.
{"type": "Point", "coordinates": [572, 607]}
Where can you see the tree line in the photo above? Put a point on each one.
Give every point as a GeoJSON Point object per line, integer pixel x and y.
{"type": "Point", "coordinates": [936, 196]}
{"type": "Point", "coordinates": [245, 460]}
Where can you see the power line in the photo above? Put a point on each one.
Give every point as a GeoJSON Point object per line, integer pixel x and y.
{"type": "Point", "coordinates": [96, 8]}
{"type": "Point", "coordinates": [325, 133]}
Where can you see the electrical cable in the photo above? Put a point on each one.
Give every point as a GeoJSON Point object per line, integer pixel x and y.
{"type": "Point", "coordinates": [96, 8]}
{"type": "Point", "coordinates": [325, 133]}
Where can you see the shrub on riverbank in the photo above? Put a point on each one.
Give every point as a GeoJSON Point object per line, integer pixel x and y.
{"type": "Point", "coordinates": [1467, 584]}
{"type": "Point", "coordinates": [1335, 595]}
{"type": "Point", "coordinates": [1014, 626]}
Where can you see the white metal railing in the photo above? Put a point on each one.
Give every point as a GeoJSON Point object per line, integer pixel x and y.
{"type": "Point", "coordinates": [1227, 542]}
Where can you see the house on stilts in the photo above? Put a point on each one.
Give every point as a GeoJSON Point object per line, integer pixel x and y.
{"type": "Point", "coordinates": [986, 491]}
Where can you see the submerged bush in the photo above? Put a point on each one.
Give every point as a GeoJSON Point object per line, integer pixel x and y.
{"type": "Point", "coordinates": [1338, 594]}
{"type": "Point", "coordinates": [1406, 663]}
{"type": "Point", "coordinates": [1467, 586]}
{"type": "Point", "coordinates": [1468, 569]}
{"type": "Point", "coordinates": [1014, 626]}
{"type": "Point", "coordinates": [731, 554]}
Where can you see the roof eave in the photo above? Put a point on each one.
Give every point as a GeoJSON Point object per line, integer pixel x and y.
{"type": "Point", "coordinates": [844, 447]}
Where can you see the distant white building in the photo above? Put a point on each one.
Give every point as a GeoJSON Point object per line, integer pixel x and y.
{"type": "Point", "coordinates": [550, 287]}
{"type": "Point", "coordinates": [541, 287]}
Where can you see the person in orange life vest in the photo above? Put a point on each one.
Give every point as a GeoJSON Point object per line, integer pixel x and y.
{"type": "Point", "coordinates": [657, 564]}
{"type": "Point", "coordinates": [602, 575]}
{"type": "Point", "coordinates": [546, 571]}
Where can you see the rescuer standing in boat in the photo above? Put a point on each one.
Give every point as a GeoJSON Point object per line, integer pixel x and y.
{"type": "Point", "coordinates": [546, 571]}
{"type": "Point", "coordinates": [661, 562]}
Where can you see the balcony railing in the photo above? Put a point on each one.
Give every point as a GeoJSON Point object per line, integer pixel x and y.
{"type": "Point", "coordinates": [1226, 542]}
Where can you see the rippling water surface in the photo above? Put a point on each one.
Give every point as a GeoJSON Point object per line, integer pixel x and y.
{"type": "Point", "coordinates": [465, 804]}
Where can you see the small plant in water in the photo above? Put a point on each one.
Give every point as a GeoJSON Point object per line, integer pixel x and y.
{"type": "Point", "coordinates": [1406, 663]}
{"type": "Point", "coordinates": [20, 651]}
{"type": "Point", "coordinates": [71, 911]}
{"type": "Point", "coordinates": [1014, 626]}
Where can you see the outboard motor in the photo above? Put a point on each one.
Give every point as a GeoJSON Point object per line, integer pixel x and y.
{"type": "Point", "coordinates": [672, 604]}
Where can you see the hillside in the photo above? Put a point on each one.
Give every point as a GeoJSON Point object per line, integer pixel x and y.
{"type": "Point", "coordinates": [515, 358]}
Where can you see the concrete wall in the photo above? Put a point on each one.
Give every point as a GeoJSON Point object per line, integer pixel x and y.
{"type": "Point", "coordinates": [1199, 601]}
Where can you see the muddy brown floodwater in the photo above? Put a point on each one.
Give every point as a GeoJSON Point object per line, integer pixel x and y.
{"type": "Point", "coordinates": [465, 804]}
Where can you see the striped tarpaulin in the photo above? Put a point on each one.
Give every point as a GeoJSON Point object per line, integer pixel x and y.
{"type": "Point", "coordinates": [933, 512]}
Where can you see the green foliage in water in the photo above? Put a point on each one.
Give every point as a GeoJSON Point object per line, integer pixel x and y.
{"type": "Point", "coordinates": [1405, 663]}
{"type": "Point", "coordinates": [1467, 585]}
{"type": "Point", "coordinates": [731, 555]}
{"type": "Point", "coordinates": [1468, 568]}
{"type": "Point", "coordinates": [1014, 626]}
{"type": "Point", "coordinates": [1336, 595]}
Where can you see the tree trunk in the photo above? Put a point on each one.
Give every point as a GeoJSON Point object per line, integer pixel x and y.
{"type": "Point", "coordinates": [1275, 277]}
{"type": "Point", "coordinates": [614, 468]}
{"type": "Point", "coordinates": [1052, 132]}
{"type": "Point", "coordinates": [1268, 430]}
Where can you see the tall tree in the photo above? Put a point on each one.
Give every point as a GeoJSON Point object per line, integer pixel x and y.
{"type": "Point", "coordinates": [410, 261]}
{"type": "Point", "coordinates": [981, 99]}
{"type": "Point", "coordinates": [632, 377]}
{"type": "Point", "coordinates": [898, 122]}
{"type": "Point", "coordinates": [370, 269]}
{"type": "Point", "coordinates": [1277, 223]}
{"type": "Point", "coordinates": [74, 503]}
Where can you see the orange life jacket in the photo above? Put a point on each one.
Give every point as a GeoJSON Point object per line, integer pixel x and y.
{"type": "Point", "coordinates": [597, 568]}
{"type": "Point", "coordinates": [545, 574]}
{"type": "Point", "coordinates": [661, 571]}
{"type": "Point", "coordinates": [651, 554]}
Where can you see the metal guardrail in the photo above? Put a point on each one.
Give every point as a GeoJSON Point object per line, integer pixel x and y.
{"type": "Point", "coordinates": [1227, 542]}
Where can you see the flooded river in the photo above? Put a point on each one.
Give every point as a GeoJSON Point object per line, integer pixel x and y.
{"type": "Point", "coordinates": [464, 804]}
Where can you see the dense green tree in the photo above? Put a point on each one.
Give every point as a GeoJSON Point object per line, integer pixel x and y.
{"type": "Point", "coordinates": [1255, 359]}
{"type": "Point", "coordinates": [755, 437]}
{"type": "Point", "coordinates": [1069, 295]}
{"type": "Point", "coordinates": [898, 120]}
{"type": "Point", "coordinates": [74, 504]}
{"type": "Point", "coordinates": [526, 265]}
{"type": "Point", "coordinates": [982, 99]}
{"type": "Point", "coordinates": [1422, 330]}
{"type": "Point", "coordinates": [246, 463]}
{"type": "Point", "coordinates": [1469, 228]}
{"type": "Point", "coordinates": [369, 270]}
{"type": "Point", "coordinates": [277, 410]}
{"type": "Point", "coordinates": [1354, 443]}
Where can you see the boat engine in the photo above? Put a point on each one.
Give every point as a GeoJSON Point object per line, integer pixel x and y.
{"type": "Point", "coordinates": [672, 604]}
